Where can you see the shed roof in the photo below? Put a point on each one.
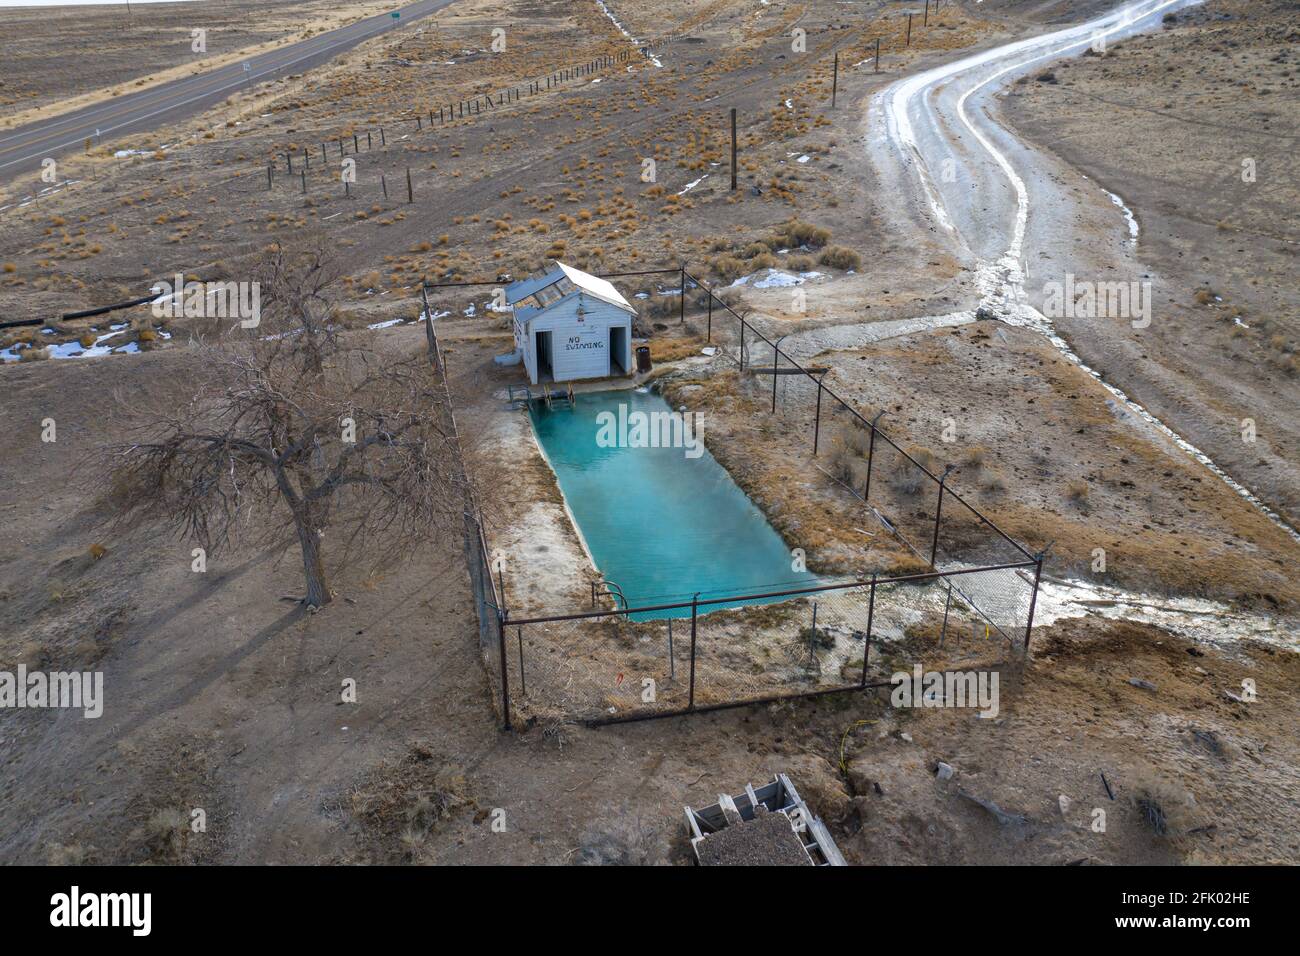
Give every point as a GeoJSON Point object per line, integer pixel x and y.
{"type": "Point", "coordinates": [592, 285]}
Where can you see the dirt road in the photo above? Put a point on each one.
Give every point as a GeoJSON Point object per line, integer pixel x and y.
{"type": "Point", "coordinates": [1003, 206]}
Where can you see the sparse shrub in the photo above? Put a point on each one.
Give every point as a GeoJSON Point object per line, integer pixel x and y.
{"type": "Point", "coordinates": [624, 842]}
{"type": "Point", "coordinates": [798, 233]}
{"type": "Point", "coordinates": [840, 257]}
{"type": "Point", "coordinates": [974, 457]}
{"type": "Point", "coordinates": [1168, 809]}
{"type": "Point", "coordinates": [992, 483]}
{"type": "Point", "coordinates": [727, 267]}
{"type": "Point", "coordinates": [165, 834]}
{"type": "Point", "coordinates": [1077, 491]}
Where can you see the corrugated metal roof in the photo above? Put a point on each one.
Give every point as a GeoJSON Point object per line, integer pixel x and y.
{"type": "Point", "coordinates": [531, 286]}
{"type": "Point", "coordinates": [592, 285]}
{"type": "Point", "coordinates": [600, 288]}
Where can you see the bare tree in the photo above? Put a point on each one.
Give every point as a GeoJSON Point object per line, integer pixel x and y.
{"type": "Point", "coordinates": [292, 435]}
{"type": "Point", "coordinates": [296, 294]}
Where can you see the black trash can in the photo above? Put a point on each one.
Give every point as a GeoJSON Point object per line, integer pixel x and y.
{"type": "Point", "coordinates": [642, 358]}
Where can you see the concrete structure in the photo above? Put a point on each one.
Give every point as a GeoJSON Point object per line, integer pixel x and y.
{"type": "Point", "coordinates": [571, 325]}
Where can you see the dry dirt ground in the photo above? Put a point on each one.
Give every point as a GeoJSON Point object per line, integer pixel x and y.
{"type": "Point", "coordinates": [556, 173]}
{"type": "Point", "coordinates": [222, 696]}
{"type": "Point", "coordinates": [64, 57]}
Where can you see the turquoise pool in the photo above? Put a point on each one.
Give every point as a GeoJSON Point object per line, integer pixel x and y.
{"type": "Point", "coordinates": [657, 522]}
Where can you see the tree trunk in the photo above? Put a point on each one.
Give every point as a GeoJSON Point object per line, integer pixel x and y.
{"type": "Point", "coordinates": [318, 593]}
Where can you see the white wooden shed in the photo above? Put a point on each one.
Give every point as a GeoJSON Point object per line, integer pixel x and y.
{"type": "Point", "coordinates": [570, 325]}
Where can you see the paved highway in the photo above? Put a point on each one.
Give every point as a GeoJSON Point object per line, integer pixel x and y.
{"type": "Point", "coordinates": [23, 148]}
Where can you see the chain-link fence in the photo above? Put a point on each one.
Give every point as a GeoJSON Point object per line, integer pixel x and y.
{"type": "Point", "coordinates": [905, 488]}
{"type": "Point", "coordinates": [609, 666]}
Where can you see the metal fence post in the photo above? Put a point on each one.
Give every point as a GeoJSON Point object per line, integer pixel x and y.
{"type": "Point", "coordinates": [775, 360]}
{"type": "Point", "coordinates": [505, 678]}
{"type": "Point", "coordinates": [695, 604]}
{"type": "Point", "coordinates": [681, 312]}
{"type": "Point", "coordinates": [866, 644]}
{"type": "Point", "coordinates": [709, 334]}
{"type": "Point", "coordinates": [1033, 600]}
{"type": "Point", "coordinates": [871, 460]}
{"type": "Point", "coordinates": [672, 668]}
{"type": "Point", "coordinates": [817, 421]}
{"type": "Point", "coordinates": [742, 345]}
{"type": "Point", "coordinates": [428, 326]}
{"type": "Point", "coordinates": [523, 684]}
{"type": "Point", "coordinates": [938, 514]}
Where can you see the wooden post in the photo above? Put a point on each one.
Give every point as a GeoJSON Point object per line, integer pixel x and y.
{"type": "Point", "coordinates": [288, 159]}
{"type": "Point", "coordinates": [304, 182]}
{"type": "Point", "coordinates": [835, 79]}
{"type": "Point", "coordinates": [733, 149]}
{"type": "Point", "coordinates": [925, 20]}
{"type": "Point", "coordinates": [909, 29]}
{"type": "Point", "coordinates": [383, 182]}
{"type": "Point", "coordinates": [269, 168]}
{"type": "Point", "coordinates": [877, 54]}
{"type": "Point", "coordinates": [410, 194]}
